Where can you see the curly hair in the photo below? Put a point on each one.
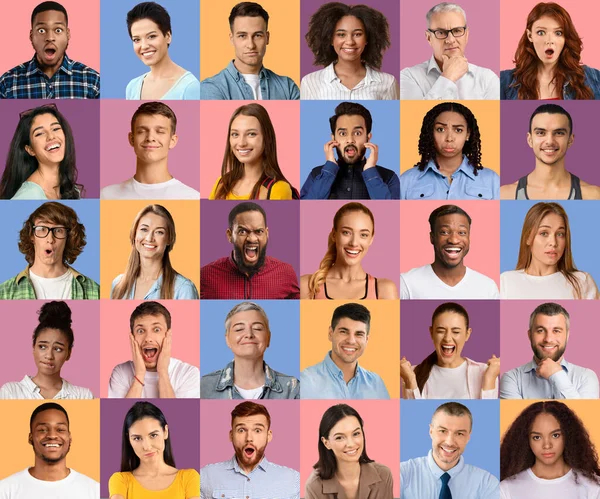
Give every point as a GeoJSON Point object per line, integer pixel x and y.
{"type": "Point", "coordinates": [568, 69]}
{"type": "Point", "coordinates": [321, 29]}
{"type": "Point", "coordinates": [472, 147]}
{"type": "Point", "coordinates": [579, 452]}
{"type": "Point", "coordinates": [59, 214]}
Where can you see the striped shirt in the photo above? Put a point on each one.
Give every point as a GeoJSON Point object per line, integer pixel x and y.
{"type": "Point", "coordinates": [21, 288]}
{"type": "Point", "coordinates": [73, 80]}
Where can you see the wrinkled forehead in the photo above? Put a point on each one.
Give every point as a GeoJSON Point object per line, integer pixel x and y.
{"type": "Point", "coordinates": [250, 220]}
{"type": "Point", "coordinates": [254, 421]}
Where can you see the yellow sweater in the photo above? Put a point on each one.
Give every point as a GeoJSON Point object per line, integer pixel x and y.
{"type": "Point", "coordinates": [280, 190]}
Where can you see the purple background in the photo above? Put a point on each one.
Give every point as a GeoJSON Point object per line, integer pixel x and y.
{"type": "Point", "coordinates": [184, 429]}
{"type": "Point", "coordinates": [517, 159]}
{"type": "Point", "coordinates": [283, 221]}
{"type": "Point", "coordinates": [83, 117]}
{"type": "Point", "coordinates": [391, 10]}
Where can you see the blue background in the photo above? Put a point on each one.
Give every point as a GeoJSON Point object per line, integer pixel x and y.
{"type": "Point", "coordinates": [119, 62]}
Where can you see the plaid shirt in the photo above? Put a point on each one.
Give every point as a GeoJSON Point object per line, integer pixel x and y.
{"type": "Point", "coordinates": [221, 280]}
{"type": "Point", "coordinates": [73, 80]}
{"type": "Point", "coordinates": [21, 288]}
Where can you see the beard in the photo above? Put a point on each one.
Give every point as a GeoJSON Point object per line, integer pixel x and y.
{"type": "Point", "coordinates": [243, 267]}
{"type": "Point", "coordinates": [253, 461]}
{"type": "Point", "coordinates": [53, 460]}
{"type": "Point", "coordinates": [540, 355]}
{"type": "Point", "coordinates": [360, 154]}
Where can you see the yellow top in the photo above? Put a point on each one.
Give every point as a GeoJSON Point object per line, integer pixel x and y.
{"type": "Point", "coordinates": [185, 485]}
{"type": "Point", "coordinates": [280, 190]}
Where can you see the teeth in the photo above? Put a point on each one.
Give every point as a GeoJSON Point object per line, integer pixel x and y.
{"type": "Point", "coordinates": [51, 445]}
{"type": "Point", "coordinates": [355, 252]}
{"type": "Point", "coordinates": [52, 147]}
{"type": "Point", "coordinates": [452, 250]}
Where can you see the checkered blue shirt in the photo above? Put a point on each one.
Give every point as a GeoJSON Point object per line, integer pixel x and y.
{"type": "Point", "coordinates": [73, 80]}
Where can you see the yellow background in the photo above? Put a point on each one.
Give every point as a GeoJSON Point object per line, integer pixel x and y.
{"type": "Point", "coordinates": [116, 218]}
{"type": "Point", "coordinates": [382, 352]}
{"type": "Point", "coordinates": [487, 114]}
{"type": "Point", "coordinates": [283, 52]}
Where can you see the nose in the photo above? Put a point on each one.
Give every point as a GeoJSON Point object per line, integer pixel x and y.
{"type": "Point", "coordinates": [149, 236]}
{"type": "Point", "coordinates": [449, 136]}
{"type": "Point", "coordinates": [453, 237]}
{"type": "Point", "coordinates": [50, 236]}
{"type": "Point", "coordinates": [547, 443]}
{"type": "Point", "coordinates": [448, 39]}
{"type": "Point", "coordinates": [50, 354]}
{"type": "Point", "coordinates": [552, 240]}
{"type": "Point", "coordinates": [251, 42]}
{"type": "Point", "coordinates": [146, 445]}
{"type": "Point", "coordinates": [447, 337]}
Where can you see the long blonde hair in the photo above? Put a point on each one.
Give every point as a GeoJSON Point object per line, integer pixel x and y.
{"type": "Point", "coordinates": [318, 278]}
{"type": "Point", "coordinates": [132, 271]}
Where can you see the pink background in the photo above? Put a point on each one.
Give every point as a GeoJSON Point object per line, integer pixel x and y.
{"type": "Point", "coordinates": [513, 19]}
{"type": "Point", "coordinates": [84, 23]}
{"type": "Point", "coordinates": [316, 221]}
{"type": "Point", "coordinates": [214, 123]}
{"type": "Point", "coordinates": [20, 318]}
{"type": "Point", "coordinates": [382, 432]}
{"type": "Point", "coordinates": [215, 423]}
{"type": "Point", "coordinates": [484, 254]}
{"type": "Point", "coordinates": [514, 322]}
{"type": "Point", "coordinates": [114, 325]}
{"type": "Point", "coordinates": [484, 37]}
{"type": "Point", "coordinates": [117, 158]}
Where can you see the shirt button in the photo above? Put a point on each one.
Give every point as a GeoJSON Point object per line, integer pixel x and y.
{"type": "Point", "coordinates": [447, 192]}
{"type": "Point", "coordinates": [480, 195]}
{"type": "Point", "coordinates": [422, 195]}
{"type": "Point", "coordinates": [348, 189]}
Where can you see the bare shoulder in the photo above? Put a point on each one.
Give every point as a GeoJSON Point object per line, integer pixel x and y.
{"type": "Point", "coordinates": [386, 289]}
{"type": "Point", "coordinates": [304, 286]}
{"type": "Point", "coordinates": [508, 191]}
{"type": "Point", "coordinates": [589, 191]}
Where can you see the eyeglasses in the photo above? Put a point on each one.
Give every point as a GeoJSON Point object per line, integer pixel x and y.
{"type": "Point", "coordinates": [442, 34]}
{"type": "Point", "coordinates": [49, 107]}
{"type": "Point", "coordinates": [57, 232]}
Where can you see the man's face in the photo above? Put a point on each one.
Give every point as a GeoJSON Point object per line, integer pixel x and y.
{"type": "Point", "coordinates": [549, 336]}
{"type": "Point", "coordinates": [450, 239]}
{"type": "Point", "coordinates": [451, 46]}
{"type": "Point", "coordinates": [50, 436]}
{"type": "Point", "coordinates": [152, 137]}
{"type": "Point", "coordinates": [49, 36]}
{"type": "Point", "coordinates": [550, 137]}
{"type": "Point", "coordinates": [249, 237]}
{"type": "Point", "coordinates": [449, 437]}
{"type": "Point", "coordinates": [249, 37]}
{"type": "Point", "coordinates": [348, 340]}
{"type": "Point", "coordinates": [250, 436]}
{"type": "Point", "coordinates": [149, 331]}
{"type": "Point", "coordinates": [351, 135]}
{"type": "Point", "coordinates": [248, 336]}
{"type": "Point", "coordinates": [48, 250]}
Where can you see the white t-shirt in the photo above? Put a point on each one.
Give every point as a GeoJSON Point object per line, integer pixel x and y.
{"type": "Point", "coordinates": [52, 288]}
{"type": "Point", "coordinates": [22, 485]}
{"type": "Point", "coordinates": [526, 485]}
{"type": "Point", "coordinates": [184, 377]}
{"type": "Point", "coordinates": [254, 82]}
{"type": "Point", "coordinates": [251, 394]}
{"type": "Point", "coordinates": [516, 284]}
{"type": "Point", "coordinates": [132, 189]}
{"type": "Point", "coordinates": [451, 380]}
{"type": "Point", "coordinates": [422, 283]}
{"type": "Point", "coordinates": [27, 389]}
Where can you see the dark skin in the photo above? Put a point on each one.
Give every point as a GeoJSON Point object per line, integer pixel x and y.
{"type": "Point", "coordinates": [50, 37]}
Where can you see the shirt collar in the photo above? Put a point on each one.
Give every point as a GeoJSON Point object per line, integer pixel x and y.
{"type": "Point", "coordinates": [438, 472]}
{"type": "Point", "coordinates": [25, 274]}
{"type": "Point", "coordinates": [368, 476]}
{"type": "Point", "coordinates": [66, 66]}
{"type": "Point", "coordinates": [233, 71]}
{"type": "Point", "coordinates": [233, 464]}
{"type": "Point", "coordinates": [464, 167]}
{"type": "Point", "coordinates": [226, 378]}
{"type": "Point", "coordinates": [334, 370]}
{"type": "Point", "coordinates": [31, 387]}
{"type": "Point", "coordinates": [532, 365]}
{"type": "Point", "coordinates": [371, 76]}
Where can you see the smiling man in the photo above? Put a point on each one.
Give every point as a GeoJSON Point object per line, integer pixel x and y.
{"type": "Point", "coordinates": [339, 376]}
{"type": "Point", "coordinates": [248, 473]}
{"type": "Point", "coordinates": [448, 277]}
{"type": "Point", "coordinates": [448, 74]}
{"type": "Point", "coordinates": [549, 375]}
{"type": "Point", "coordinates": [443, 473]}
{"type": "Point", "coordinates": [50, 438]}
{"type": "Point", "coordinates": [152, 372]}
{"type": "Point", "coordinates": [153, 135]}
{"type": "Point", "coordinates": [50, 74]}
{"type": "Point", "coordinates": [245, 78]}
{"type": "Point", "coordinates": [352, 175]}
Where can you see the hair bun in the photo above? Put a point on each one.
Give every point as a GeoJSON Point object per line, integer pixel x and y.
{"type": "Point", "coordinates": [55, 313]}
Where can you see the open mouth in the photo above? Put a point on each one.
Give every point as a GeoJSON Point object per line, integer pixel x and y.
{"type": "Point", "coordinates": [448, 350]}
{"type": "Point", "coordinates": [53, 147]}
{"type": "Point", "coordinates": [352, 452]}
{"type": "Point", "coordinates": [50, 52]}
{"type": "Point", "coordinates": [349, 350]}
{"type": "Point", "coordinates": [149, 246]}
{"type": "Point", "coordinates": [48, 252]}
{"type": "Point", "coordinates": [448, 451]}
{"type": "Point", "coordinates": [549, 52]}
{"type": "Point", "coordinates": [351, 151]}
{"type": "Point", "coordinates": [251, 251]}
{"type": "Point", "coordinates": [150, 354]}
{"type": "Point", "coordinates": [243, 152]}
{"type": "Point", "coordinates": [351, 253]}
{"type": "Point", "coordinates": [452, 251]}
{"type": "Point", "coordinates": [249, 452]}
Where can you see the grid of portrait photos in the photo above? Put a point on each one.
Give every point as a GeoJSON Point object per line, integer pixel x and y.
{"type": "Point", "coordinates": [241, 239]}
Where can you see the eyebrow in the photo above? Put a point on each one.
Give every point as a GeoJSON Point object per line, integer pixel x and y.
{"type": "Point", "coordinates": [340, 433]}
{"type": "Point", "coordinates": [350, 228]}
{"type": "Point", "coordinates": [544, 27]}
{"type": "Point", "coordinates": [357, 127]}
{"type": "Point", "coordinates": [42, 23]}
{"type": "Point", "coordinates": [549, 227]}
{"type": "Point", "coordinates": [146, 225]}
{"type": "Point", "coordinates": [153, 32]}
{"type": "Point", "coordinates": [247, 130]}
{"type": "Point", "coordinates": [136, 435]}
{"type": "Point", "coordinates": [242, 323]}
{"type": "Point", "coordinates": [260, 31]}
{"type": "Point", "coordinates": [41, 126]}
{"type": "Point", "coordinates": [255, 425]}
{"type": "Point", "coordinates": [45, 342]}
{"type": "Point", "coordinates": [456, 431]}
{"type": "Point", "coordinates": [147, 127]}
{"type": "Point", "coordinates": [540, 129]}
{"type": "Point", "coordinates": [446, 124]}
{"type": "Point", "coordinates": [139, 324]}
{"type": "Point", "coordinates": [553, 431]}
{"type": "Point", "coordinates": [448, 225]}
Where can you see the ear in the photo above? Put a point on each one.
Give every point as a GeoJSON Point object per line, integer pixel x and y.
{"type": "Point", "coordinates": [369, 137]}
{"type": "Point", "coordinates": [229, 234]}
{"type": "Point", "coordinates": [529, 36]}
{"type": "Point", "coordinates": [330, 334]}
{"type": "Point", "coordinates": [68, 35]}
{"type": "Point", "coordinates": [267, 232]}
{"type": "Point", "coordinates": [268, 36]}
{"type": "Point", "coordinates": [431, 237]}
{"type": "Point", "coordinates": [431, 431]}
{"type": "Point", "coordinates": [468, 335]}
{"type": "Point", "coordinates": [231, 38]}
{"type": "Point", "coordinates": [431, 332]}
{"type": "Point", "coordinates": [571, 139]}
{"type": "Point", "coordinates": [29, 150]}
{"type": "Point", "coordinates": [30, 439]}
{"type": "Point", "coordinates": [130, 138]}
{"type": "Point", "coordinates": [326, 443]}
{"type": "Point", "coordinates": [332, 136]}
{"type": "Point", "coordinates": [166, 431]}
{"type": "Point", "coordinates": [269, 436]}
{"type": "Point", "coordinates": [231, 435]}
{"type": "Point", "coordinates": [31, 35]}
{"type": "Point", "coordinates": [529, 139]}
{"type": "Point", "coordinates": [169, 37]}
{"type": "Point", "coordinates": [429, 37]}
{"type": "Point", "coordinates": [227, 340]}
{"type": "Point", "coordinates": [174, 140]}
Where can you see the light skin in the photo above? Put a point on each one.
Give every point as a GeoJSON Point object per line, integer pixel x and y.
{"type": "Point", "coordinates": [348, 343]}
{"type": "Point", "coordinates": [51, 441]}
{"type": "Point", "coordinates": [547, 442]}
{"type": "Point", "coordinates": [250, 236]}
{"type": "Point", "coordinates": [449, 438]}
{"type": "Point", "coordinates": [548, 39]}
{"type": "Point", "coordinates": [449, 53]}
{"type": "Point", "coordinates": [547, 245]}
{"type": "Point", "coordinates": [48, 252]}
{"type": "Point", "coordinates": [250, 436]}
{"type": "Point", "coordinates": [548, 336]}
{"type": "Point", "coordinates": [450, 133]}
{"type": "Point", "coordinates": [351, 142]}
{"type": "Point", "coordinates": [249, 37]}
{"type": "Point", "coordinates": [451, 241]}
{"type": "Point", "coordinates": [49, 37]}
{"type": "Point", "coordinates": [50, 351]}
{"type": "Point", "coordinates": [151, 240]}
{"type": "Point", "coordinates": [246, 141]}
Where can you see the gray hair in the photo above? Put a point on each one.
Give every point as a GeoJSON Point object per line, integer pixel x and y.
{"type": "Point", "coordinates": [246, 306]}
{"type": "Point", "coordinates": [444, 7]}
{"type": "Point", "coordinates": [454, 409]}
{"type": "Point", "coordinates": [550, 309]}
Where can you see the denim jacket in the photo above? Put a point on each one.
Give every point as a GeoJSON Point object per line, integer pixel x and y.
{"type": "Point", "coordinates": [219, 385]}
{"type": "Point", "coordinates": [592, 80]}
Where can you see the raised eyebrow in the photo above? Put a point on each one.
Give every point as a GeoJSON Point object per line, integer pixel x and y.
{"type": "Point", "coordinates": [42, 23]}
{"type": "Point", "coordinates": [359, 127]}
{"type": "Point", "coordinates": [342, 129]}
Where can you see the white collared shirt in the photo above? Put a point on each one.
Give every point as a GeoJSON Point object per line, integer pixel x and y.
{"type": "Point", "coordinates": [425, 81]}
{"type": "Point", "coordinates": [27, 389]}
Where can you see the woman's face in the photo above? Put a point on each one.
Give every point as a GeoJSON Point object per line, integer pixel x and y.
{"type": "Point", "coordinates": [47, 141]}
{"type": "Point", "coordinates": [349, 39]}
{"type": "Point", "coordinates": [346, 440]}
{"type": "Point", "coordinates": [546, 440]}
{"type": "Point", "coordinates": [50, 351]}
{"type": "Point", "coordinates": [449, 333]}
{"type": "Point", "coordinates": [548, 38]}
{"type": "Point", "coordinates": [248, 336]}
{"type": "Point", "coordinates": [548, 241]}
{"type": "Point", "coordinates": [149, 44]}
{"type": "Point", "coordinates": [450, 133]}
{"type": "Point", "coordinates": [151, 236]}
{"type": "Point", "coordinates": [353, 237]}
{"type": "Point", "coordinates": [147, 438]}
{"type": "Point", "coordinates": [246, 139]}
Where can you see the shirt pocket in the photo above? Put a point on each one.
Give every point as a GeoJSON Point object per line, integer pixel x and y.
{"type": "Point", "coordinates": [421, 192]}
{"type": "Point", "coordinates": [228, 494]}
{"type": "Point", "coordinates": [475, 192]}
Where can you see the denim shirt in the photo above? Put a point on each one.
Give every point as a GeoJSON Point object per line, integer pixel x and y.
{"type": "Point", "coordinates": [219, 385]}
{"type": "Point", "coordinates": [592, 80]}
{"type": "Point", "coordinates": [230, 84]}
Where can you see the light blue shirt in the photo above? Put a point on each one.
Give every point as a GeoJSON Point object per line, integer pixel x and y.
{"type": "Point", "coordinates": [420, 479]}
{"type": "Point", "coordinates": [573, 382]}
{"type": "Point", "coordinates": [186, 88]}
{"type": "Point", "coordinates": [267, 480]}
{"type": "Point", "coordinates": [432, 184]}
{"type": "Point", "coordinates": [326, 381]}
{"type": "Point", "coordinates": [184, 289]}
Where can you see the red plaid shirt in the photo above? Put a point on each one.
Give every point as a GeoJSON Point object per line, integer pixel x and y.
{"type": "Point", "coordinates": [221, 280]}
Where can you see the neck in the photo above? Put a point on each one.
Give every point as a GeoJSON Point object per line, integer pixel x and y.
{"type": "Point", "coordinates": [163, 68]}
{"type": "Point", "coordinates": [550, 472]}
{"type": "Point", "coordinates": [155, 468]}
{"type": "Point", "coordinates": [348, 471]}
{"type": "Point", "coordinates": [349, 66]}
{"type": "Point", "coordinates": [48, 381]}
{"type": "Point", "coordinates": [49, 71]}
{"type": "Point", "coordinates": [49, 472]}
{"type": "Point", "coordinates": [454, 364]}
{"type": "Point", "coordinates": [154, 173]}
{"type": "Point", "coordinates": [46, 176]}
{"type": "Point", "coordinates": [253, 171]}
{"type": "Point", "coordinates": [546, 70]}
{"type": "Point", "coordinates": [550, 174]}
{"type": "Point", "coordinates": [245, 69]}
{"type": "Point", "coordinates": [347, 273]}
{"type": "Point", "coordinates": [448, 273]}
{"type": "Point", "coordinates": [539, 269]}
{"type": "Point", "coordinates": [48, 271]}
{"type": "Point", "coordinates": [150, 269]}
{"type": "Point", "coordinates": [448, 166]}
{"type": "Point", "coordinates": [348, 370]}
{"type": "Point", "coordinates": [444, 466]}
{"type": "Point", "coordinates": [248, 373]}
